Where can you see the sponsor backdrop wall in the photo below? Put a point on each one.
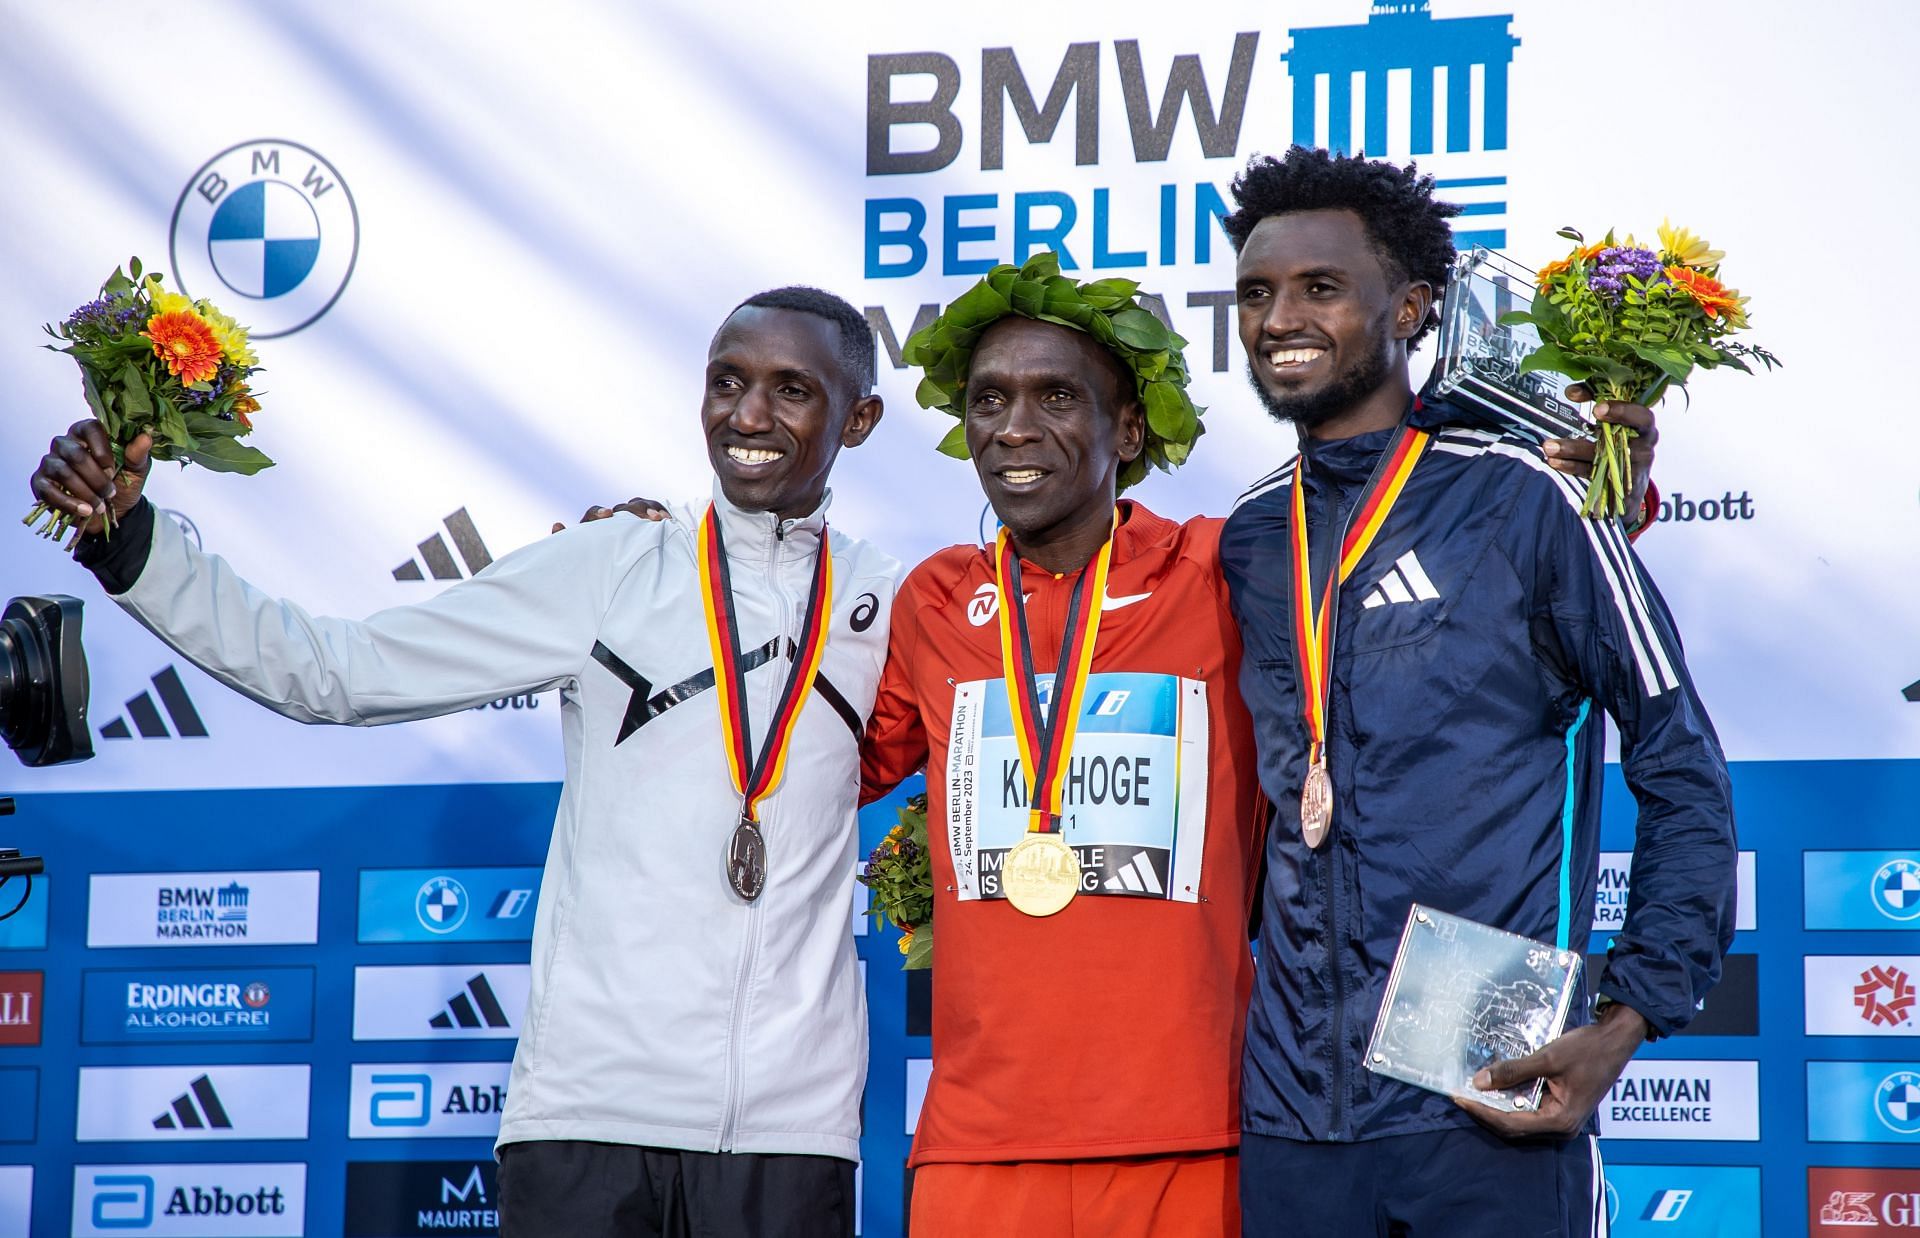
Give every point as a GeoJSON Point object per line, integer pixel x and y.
{"type": "Point", "coordinates": [272, 981]}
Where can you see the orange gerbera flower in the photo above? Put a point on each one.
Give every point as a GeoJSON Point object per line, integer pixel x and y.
{"type": "Point", "coordinates": [1712, 296]}
{"type": "Point", "coordinates": [1559, 265]}
{"type": "Point", "coordinates": [183, 340]}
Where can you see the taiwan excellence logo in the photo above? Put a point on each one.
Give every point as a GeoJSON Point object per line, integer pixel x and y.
{"type": "Point", "coordinates": [273, 222]}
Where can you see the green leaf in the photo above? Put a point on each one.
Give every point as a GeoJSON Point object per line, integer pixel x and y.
{"type": "Point", "coordinates": [1552, 357]}
{"type": "Point", "coordinates": [955, 443]}
{"type": "Point", "coordinates": [1166, 410]}
{"type": "Point", "coordinates": [97, 405]}
{"type": "Point", "coordinates": [225, 455]}
{"type": "Point", "coordinates": [135, 399]}
{"type": "Point", "coordinates": [1029, 297]}
{"type": "Point", "coordinates": [1515, 318]}
{"type": "Point", "coordinates": [1138, 328]}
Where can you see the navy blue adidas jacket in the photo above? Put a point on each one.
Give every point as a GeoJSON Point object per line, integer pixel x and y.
{"type": "Point", "coordinates": [1478, 638]}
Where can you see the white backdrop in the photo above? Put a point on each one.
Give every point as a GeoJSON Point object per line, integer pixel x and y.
{"type": "Point", "coordinates": [554, 211]}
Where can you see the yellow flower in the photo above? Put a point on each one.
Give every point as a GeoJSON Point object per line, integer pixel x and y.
{"type": "Point", "coordinates": [164, 302]}
{"type": "Point", "coordinates": [906, 940]}
{"type": "Point", "coordinates": [1681, 247]}
{"type": "Point", "coordinates": [232, 336]}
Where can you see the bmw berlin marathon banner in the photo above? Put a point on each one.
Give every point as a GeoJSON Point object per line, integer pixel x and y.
{"type": "Point", "coordinates": [274, 974]}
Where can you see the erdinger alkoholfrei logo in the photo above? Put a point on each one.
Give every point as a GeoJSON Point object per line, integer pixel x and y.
{"type": "Point", "coordinates": [269, 232]}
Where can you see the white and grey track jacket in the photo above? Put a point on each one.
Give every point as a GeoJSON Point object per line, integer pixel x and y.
{"type": "Point", "coordinates": [665, 1011]}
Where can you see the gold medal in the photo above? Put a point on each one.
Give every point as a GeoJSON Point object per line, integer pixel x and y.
{"type": "Point", "coordinates": [1316, 805]}
{"type": "Point", "coordinates": [1041, 874]}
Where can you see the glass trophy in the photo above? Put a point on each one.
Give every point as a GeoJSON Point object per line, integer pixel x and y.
{"type": "Point", "coordinates": [1463, 996]}
{"type": "Point", "coordinates": [1479, 359]}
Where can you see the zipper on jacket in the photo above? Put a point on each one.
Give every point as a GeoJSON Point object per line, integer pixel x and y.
{"type": "Point", "coordinates": [1336, 965]}
{"type": "Point", "coordinates": [736, 1034]}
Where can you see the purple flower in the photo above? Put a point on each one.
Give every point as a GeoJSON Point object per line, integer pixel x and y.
{"type": "Point", "coordinates": [93, 315]}
{"type": "Point", "coordinates": [1612, 266]}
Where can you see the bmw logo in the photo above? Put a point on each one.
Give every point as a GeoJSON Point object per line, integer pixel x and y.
{"type": "Point", "coordinates": [441, 905]}
{"type": "Point", "coordinates": [1897, 1101]}
{"type": "Point", "coordinates": [1896, 889]}
{"type": "Point", "coordinates": [267, 231]}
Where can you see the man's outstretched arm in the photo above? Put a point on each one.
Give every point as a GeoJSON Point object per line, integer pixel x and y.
{"type": "Point", "coordinates": [525, 624]}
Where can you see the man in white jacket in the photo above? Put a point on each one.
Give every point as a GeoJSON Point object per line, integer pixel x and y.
{"type": "Point", "coordinates": [694, 1046]}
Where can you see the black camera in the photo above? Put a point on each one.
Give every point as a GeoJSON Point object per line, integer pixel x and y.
{"type": "Point", "coordinates": [43, 681]}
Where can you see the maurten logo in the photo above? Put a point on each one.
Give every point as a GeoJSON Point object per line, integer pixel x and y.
{"type": "Point", "coordinates": [473, 1007]}
{"type": "Point", "coordinates": [1896, 889]}
{"type": "Point", "coordinates": [434, 553]}
{"type": "Point", "coordinates": [268, 230]}
{"type": "Point", "coordinates": [146, 718]}
{"type": "Point", "coordinates": [1885, 996]}
{"type": "Point", "coordinates": [198, 1108]}
{"type": "Point", "coordinates": [1897, 1102]}
{"type": "Point", "coordinates": [441, 905]}
{"type": "Point", "coordinates": [1406, 581]}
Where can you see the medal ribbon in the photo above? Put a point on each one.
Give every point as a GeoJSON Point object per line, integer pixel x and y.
{"type": "Point", "coordinates": [1313, 634]}
{"type": "Point", "coordinates": [754, 778]}
{"type": "Point", "coordinates": [1046, 736]}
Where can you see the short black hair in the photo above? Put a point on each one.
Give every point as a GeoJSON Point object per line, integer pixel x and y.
{"type": "Point", "coordinates": [857, 357]}
{"type": "Point", "coordinates": [1407, 226]}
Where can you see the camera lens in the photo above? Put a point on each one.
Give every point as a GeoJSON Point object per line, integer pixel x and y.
{"type": "Point", "coordinates": [43, 681]}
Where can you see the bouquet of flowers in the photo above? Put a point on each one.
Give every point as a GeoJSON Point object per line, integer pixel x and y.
{"type": "Point", "coordinates": [900, 875]}
{"type": "Point", "coordinates": [1631, 321]}
{"type": "Point", "coordinates": [156, 362]}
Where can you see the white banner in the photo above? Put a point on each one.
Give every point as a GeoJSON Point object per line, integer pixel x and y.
{"type": "Point", "coordinates": [119, 1103]}
{"type": "Point", "coordinates": [1676, 1099]}
{"type": "Point", "coordinates": [512, 245]}
{"type": "Point", "coordinates": [203, 909]}
{"type": "Point", "coordinates": [427, 1100]}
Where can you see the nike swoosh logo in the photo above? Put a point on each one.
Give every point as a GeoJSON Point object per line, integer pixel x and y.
{"type": "Point", "coordinates": [1111, 602]}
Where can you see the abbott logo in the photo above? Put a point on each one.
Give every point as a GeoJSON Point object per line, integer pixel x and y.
{"type": "Point", "coordinates": [122, 1201]}
{"type": "Point", "coordinates": [401, 1100]}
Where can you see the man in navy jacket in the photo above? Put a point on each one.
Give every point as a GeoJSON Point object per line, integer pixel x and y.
{"type": "Point", "coordinates": [1474, 643]}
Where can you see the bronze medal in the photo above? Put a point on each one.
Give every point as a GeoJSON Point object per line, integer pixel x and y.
{"type": "Point", "coordinates": [747, 859]}
{"type": "Point", "coordinates": [1316, 628]}
{"type": "Point", "coordinates": [1316, 805]}
{"type": "Point", "coordinates": [1041, 874]}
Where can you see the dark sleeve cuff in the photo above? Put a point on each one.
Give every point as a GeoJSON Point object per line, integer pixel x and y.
{"type": "Point", "coordinates": [117, 561]}
{"type": "Point", "coordinates": [1611, 993]}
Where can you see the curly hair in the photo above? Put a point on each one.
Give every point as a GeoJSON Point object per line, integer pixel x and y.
{"type": "Point", "coordinates": [1407, 226]}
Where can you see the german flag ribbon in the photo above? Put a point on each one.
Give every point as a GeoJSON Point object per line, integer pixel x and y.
{"type": "Point", "coordinates": [754, 777]}
{"type": "Point", "coordinates": [1314, 630]}
{"type": "Point", "coordinates": [1045, 735]}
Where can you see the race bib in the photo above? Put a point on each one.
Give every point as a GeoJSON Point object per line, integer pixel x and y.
{"type": "Point", "coordinates": [1135, 801]}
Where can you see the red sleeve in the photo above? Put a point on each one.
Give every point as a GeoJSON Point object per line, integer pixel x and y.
{"type": "Point", "coordinates": [1649, 513]}
{"type": "Point", "coordinates": [895, 746]}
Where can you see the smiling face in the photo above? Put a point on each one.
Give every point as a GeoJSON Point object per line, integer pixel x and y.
{"type": "Point", "coordinates": [778, 408]}
{"type": "Point", "coordinates": [1050, 418]}
{"type": "Point", "coordinates": [1324, 319]}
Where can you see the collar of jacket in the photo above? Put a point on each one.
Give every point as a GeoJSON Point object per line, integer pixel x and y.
{"type": "Point", "coordinates": [1349, 461]}
{"type": "Point", "coordinates": [755, 536]}
{"type": "Point", "coordinates": [1139, 528]}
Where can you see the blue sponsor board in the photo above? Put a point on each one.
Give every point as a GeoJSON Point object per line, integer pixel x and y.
{"type": "Point", "coordinates": [27, 928]}
{"type": "Point", "coordinates": [151, 1005]}
{"type": "Point", "coordinates": [1863, 889]}
{"type": "Point", "coordinates": [1116, 702]}
{"type": "Point", "coordinates": [19, 1104]}
{"type": "Point", "coordinates": [448, 904]}
{"type": "Point", "coordinates": [1683, 1201]}
{"type": "Point", "coordinates": [1863, 1102]}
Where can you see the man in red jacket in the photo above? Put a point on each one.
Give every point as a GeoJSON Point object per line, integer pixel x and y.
{"type": "Point", "coordinates": [1086, 1058]}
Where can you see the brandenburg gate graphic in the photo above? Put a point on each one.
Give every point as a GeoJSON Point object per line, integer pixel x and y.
{"type": "Point", "coordinates": [1403, 35]}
